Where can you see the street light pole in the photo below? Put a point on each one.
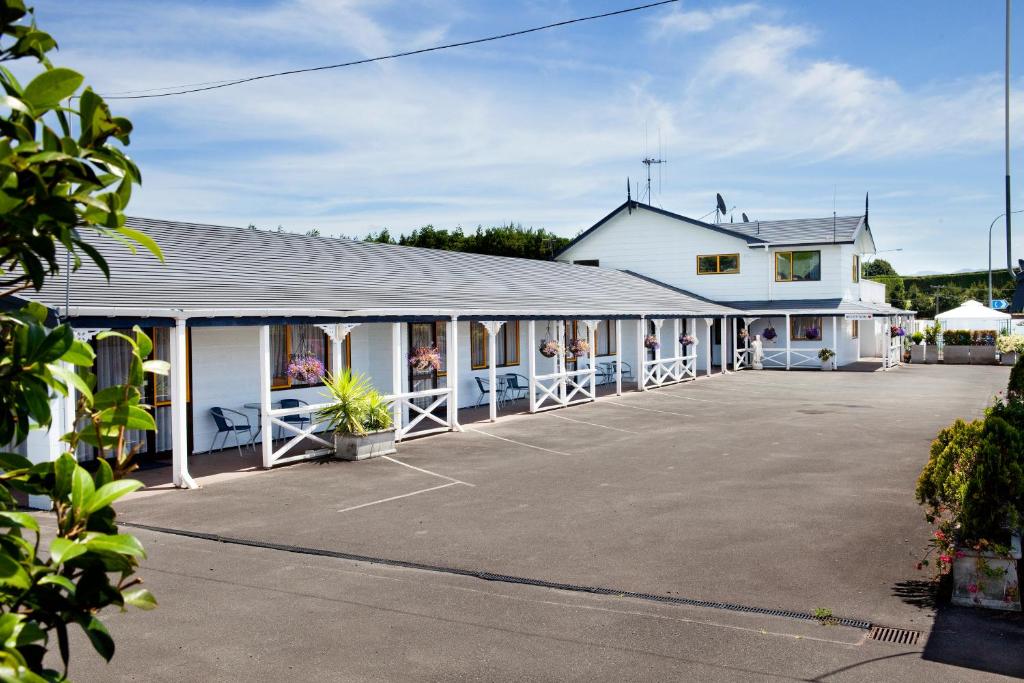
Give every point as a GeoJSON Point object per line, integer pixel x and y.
{"type": "Point", "coordinates": [990, 253]}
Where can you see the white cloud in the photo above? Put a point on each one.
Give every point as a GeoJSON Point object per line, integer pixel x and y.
{"type": "Point", "coordinates": [544, 138]}
{"type": "Point", "coordinates": [700, 20]}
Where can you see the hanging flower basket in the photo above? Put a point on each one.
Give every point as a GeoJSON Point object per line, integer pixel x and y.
{"type": "Point", "coordinates": [769, 333]}
{"type": "Point", "coordinates": [651, 342]}
{"type": "Point", "coordinates": [687, 339]}
{"type": "Point", "coordinates": [579, 347]}
{"type": "Point", "coordinates": [423, 358]}
{"type": "Point", "coordinates": [897, 331]}
{"type": "Point", "coordinates": [305, 369]}
{"type": "Point", "coordinates": [549, 348]}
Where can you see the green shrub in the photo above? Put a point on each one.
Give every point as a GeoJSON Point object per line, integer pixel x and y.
{"type": "Point", "coordinates": [956, 337]}
{"type": "Point", "coordinates": [917, 337]}
{"type": "Point", "coordinates": [1015, 388]}
{"type": "Point", "coordinates": [931, 333]}
{"type": "Point", "coordinates": [356, 407]}
{"type": "Point", "coordinates": [1010, 343]}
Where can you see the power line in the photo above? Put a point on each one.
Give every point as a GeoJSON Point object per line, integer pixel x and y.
{"type": "Point", "coordinates": [186, 89]}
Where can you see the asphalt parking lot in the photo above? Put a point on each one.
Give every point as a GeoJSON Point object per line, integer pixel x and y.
{"type": "Point", "coordinates": [786, 491]}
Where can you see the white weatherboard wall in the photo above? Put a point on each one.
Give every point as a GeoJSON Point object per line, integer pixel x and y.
{"type": "Point", "coordinates": [666, 249]}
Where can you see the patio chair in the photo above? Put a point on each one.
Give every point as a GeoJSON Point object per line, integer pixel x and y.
{"type": "Point", "coordinates": [299, 420]}
{"type": "Point", "coordinates": [516, 386]}
{"type": "Point", "coordinates": [485, 390]}
{"type": "Point", "coordinates": [605, 373]}
{"type": "Point", "coordinates": [230, 422]}
{"type": "Point", "coordinates": [627, 370]}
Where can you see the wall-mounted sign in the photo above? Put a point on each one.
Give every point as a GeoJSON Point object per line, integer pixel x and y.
{"type": "Point", "coordinates": [859, 316]}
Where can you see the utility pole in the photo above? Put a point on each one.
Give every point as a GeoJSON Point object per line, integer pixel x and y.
{"type": "Point", "coordinates": [937, 289]}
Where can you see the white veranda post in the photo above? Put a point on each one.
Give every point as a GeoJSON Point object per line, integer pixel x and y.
{"type": "Point", "coordinates": [591, 354]}
{"type": "Point", "coordinates": [266, 423]}
{"type": "Point", "coordinates": [708, 322]}
{"type": "Point", "coordinates": [735, 344]}
{"type": "Point", "coordinates": [396, 371]}
{"type": "Point", "coordinates": [179, 408]}
{"type": "Point", "coordinates": [618, 357]}
{"type": "Point", "coordinates": [452, 369]}
{"type": "Point", "coordinates": [492, 327]}
{"type": "Point", "coordinates": [788, 335]}
{"type": "Point", "coordinates": [531, 363]}
{"type": "Point", "coordinates": [641, 355]}
{"type": "Point", "coordinates": [724, 350]}
{"type": "Point", "coordinates": [835, 342]}
{"type": "Point", "coordinates": [560, 360]}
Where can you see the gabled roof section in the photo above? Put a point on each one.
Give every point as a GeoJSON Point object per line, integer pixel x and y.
{"type": "Point", "coordinates": [829, 230]}
{"type": "Point", "coordinates": [725, 229]}
{"type": "Point", "coordinates": [219, 272]}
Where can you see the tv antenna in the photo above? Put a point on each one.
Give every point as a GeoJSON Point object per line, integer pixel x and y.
{"type": "Point", "coordinates": [648, 162]}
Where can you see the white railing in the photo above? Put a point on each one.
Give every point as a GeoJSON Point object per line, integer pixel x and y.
{"type": "Point", "coordinates": [310, 413]}
{"type": "Point", "coordinates": [438, 398]}
{"type": "Point", "coordinates": [798, 358]}
{"type": "Point", "coordinates": [741, 358]}
{"type": "Point", "coordinates": [662, 371]}
{"type": "Point", "coordinates": [893, 357]}
{"type": "Point", "coordinates": [561, 389]}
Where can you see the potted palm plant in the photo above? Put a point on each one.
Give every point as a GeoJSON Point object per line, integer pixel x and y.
{"type": "Point", "coordinates": [359, 416]}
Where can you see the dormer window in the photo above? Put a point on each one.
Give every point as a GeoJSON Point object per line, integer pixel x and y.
{"type": "Point", "coordinates": [797, 266]}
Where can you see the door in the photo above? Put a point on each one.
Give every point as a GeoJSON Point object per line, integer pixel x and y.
{"type": "Point", "coordinates": [429, 335]}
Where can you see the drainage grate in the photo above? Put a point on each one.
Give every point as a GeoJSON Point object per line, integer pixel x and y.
{"type": "Point", "coordinates": [899, 636]}
{"type": "Point", "coordinates": [503, 578]}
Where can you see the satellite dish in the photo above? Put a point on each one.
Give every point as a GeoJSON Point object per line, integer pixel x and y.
{"type": "Point", "coordinates": [721, 204]}
{"type": "Point", "coordinates": [745, 219]}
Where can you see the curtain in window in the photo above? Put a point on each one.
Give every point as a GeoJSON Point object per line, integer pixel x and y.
{"type": "Point", "coordinates": [604, 341]}
{"type": "Point", "coordinates": [477, 345]}
{"type": "Point", "coordinates": [510, 342]}
{"type": "Point", "coordinates": [806, 265]}
{"type": "Point", "coordinates": [279, 355]}
{"type": "Point", "coordinates": [113, 361]}
{"type": "Point", "coordinates": [801, 325]}
{"type": "Point", "coordinates": [441, 334]}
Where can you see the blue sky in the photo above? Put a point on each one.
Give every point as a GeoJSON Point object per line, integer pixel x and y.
{"type": "Point", "coordinates": [777, 105]}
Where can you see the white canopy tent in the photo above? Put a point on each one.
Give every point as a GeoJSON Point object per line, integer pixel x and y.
{"type": "Point", "coordinates": [973, 315]}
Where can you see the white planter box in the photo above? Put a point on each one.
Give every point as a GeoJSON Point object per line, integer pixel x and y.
{"type": "Point", "coordinates": [1009, 358]}
{"type": "Point", "coordinates": [987, 580]}
{"type": "Point", "coordinates": [372, 445]}
{"type": "Point", "coordinates": [917, 353]}
{"type": "Point", "coordinates": [826, 365]}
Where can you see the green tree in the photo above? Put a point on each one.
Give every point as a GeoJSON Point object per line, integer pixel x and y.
{"type": "Point", "coordinates": [878, 266]}
{"type": "Point", "coordinates": [55, 187]}
{"type": "Point", "coordinates": [504, 240]}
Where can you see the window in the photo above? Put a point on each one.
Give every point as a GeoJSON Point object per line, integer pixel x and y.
{"type": "Point", "coordinates": [856, 268]}
{"type": "Point", "coordinates": [805, 327]}
{"type": "Point", "coordinates": [854, 329]}
{"type": "Point", "coordinates": [433, 334]}
{"type": "Point", "coordinates": [718, 264]}
{"type": "Point", "coordinates": [506, 345]}
{"type": "Point", "coordinates": [288, 342]}
{"type": "Point", "coordinates": [604, 338]}
{"type": "Point", "coordinates": [797, 266]}
{"type": "Point", "coordinates": [587, 262]}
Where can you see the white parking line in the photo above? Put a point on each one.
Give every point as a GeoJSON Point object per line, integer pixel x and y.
{"type": "Point", "coordinates": [404, 495]}
{"type": "Point", "coordinates": [420, 469]}
{"type": "Point", "coordinates": [649, 410]}
{"type": "Point", "coordinates": [665, 394]}
{"type": "Point", "coordinates": [592, 424]}
{"type": "Point", "coordinates": [520, 443]}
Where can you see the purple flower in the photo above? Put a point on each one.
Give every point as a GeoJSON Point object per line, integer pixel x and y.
{"type": "Point", "coordinates": [305, 369]}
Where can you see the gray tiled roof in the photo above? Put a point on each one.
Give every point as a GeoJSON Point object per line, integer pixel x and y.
{"type": "Point", "coordinates": [824, 306]}
{"type": "Point", "coordinates": [801, 230]}
{"type": "Point", "coordinates": [212, 267]}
